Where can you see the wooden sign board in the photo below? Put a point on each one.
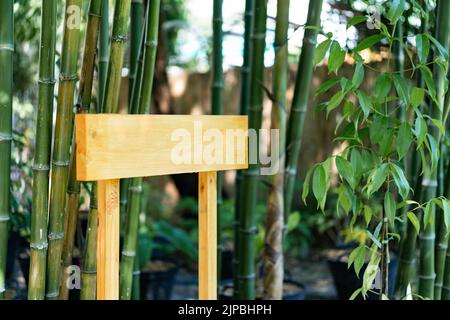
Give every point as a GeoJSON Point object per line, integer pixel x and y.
{"type": "Point", "coordinates": [110, 147]}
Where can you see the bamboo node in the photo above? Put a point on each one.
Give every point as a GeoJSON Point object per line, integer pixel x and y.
{"type": "Point", "coordinates": [217, 85]}
{"type": "Point", "coordinates": [4, 218]}
{"type": "Point", "coordinates": [429, 183]}
{"type": "Point", "coordinates": [137, 189]}
{"type": "Point", "coordinates": [60, 163]}
{"type": "Point", "coordinates": [119, 38]}
{"type": "Point", "coordinates": [39, 246]}
{"type": "Point", "coordinates": [53, 294]}
{"type": "Point", "coordinates": [252, 230]}
{"type": "Point", "coordinates": [92, 14]}
{"type": "Point", "coordinates": [40, 167]}
{"type": "Point", "coordinates": [56, 236]}
{"type": "Point", "coordinates": [432, 237]}
{"type": "Point", "coordinates": [128, 253]}
{"type": "Point", "coordinates": [70, 77]}
{"type": "Point", "coordinates": [432, 277]}
{"type": "Point", "coordinates": [151, 44]}
{"type": "Point", "coordinates": [47, 81]}
{"type": "Point", "coordinates": [249, 276]}
{"type": "Point", "coordinates": [5, 137]}
{"type": "Point", "coordinates": [136, 273]}
{"type": "Point", "coordinates": [89, 271]}
{"type": "Point", "coordinates": [7, 46]}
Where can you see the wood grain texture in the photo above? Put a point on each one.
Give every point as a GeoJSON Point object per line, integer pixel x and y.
{"type": "Point", "coordinates": [108, 240]}
{"type": "Point", "coordinates": [207, 236]}
{"type": "Point", "coordinates": [111, 146]}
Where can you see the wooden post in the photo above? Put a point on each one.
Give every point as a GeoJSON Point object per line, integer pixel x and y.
{"type": "Point", "coordinates": [108, 240]}
{"type": "Point", "coordinates": [207, 235]}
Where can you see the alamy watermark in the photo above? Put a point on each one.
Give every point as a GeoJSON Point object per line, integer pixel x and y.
{"type": "Point", "coordinates": [226, 147]}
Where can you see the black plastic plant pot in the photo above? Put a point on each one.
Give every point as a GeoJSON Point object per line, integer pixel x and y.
{"type": "Point", "coordinates": [347, 282]}
{"type": "Point", "coordinates": [293, 290]}
{"type": "Point", "coordinates": [158, 278]}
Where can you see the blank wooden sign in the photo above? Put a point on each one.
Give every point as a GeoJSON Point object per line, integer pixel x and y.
{"type": "Point", "coordinates": [112, 147]}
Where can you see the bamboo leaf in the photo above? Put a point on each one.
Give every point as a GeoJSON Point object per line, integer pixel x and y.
{"type": "Point", "coordinates": [428, 77]}
{"type": "Point", "coordinates": [423, 47]}
{"type": "Point", "coordinates": [400, 181]}
{"type": "Point", "coordinates": [417, 96]}
{"type": "Point", "coordinates": [358, 76]}
{"type": "Point", "coordinates": [364, 102]}
{"type": "Point", "coordinates": [415, 222]}
{"type": "Point", "coordinates": [357, 258]}
{"type": "Point", "coordinates": [446, 210]}
{"type": "Point", "coordinates": [345, 170]}
{"type": "Point", "coordinates": [321, 51]}
{"type": "Point", "coordinates": [420, 130]}
{"type": "Point", "coordinates": [367, 214]}
{"type": "Point", "coordinates": [327, 85]}
{"type": "Point", "coordinates": [442, 51]}
{"type": "Point", "coordinates": [336, 58]}
{"type": "Point", "coordinates": [369, 42]}
{"type": "Point", "coordinates": [383, 86]}
{"type": "Point", "coordinates": [379, 177]}
{"type": "Point", "coordinates": [434, 151]}
{"type": "Point", "coordinates": [396, 11]}
{"type": "Point", "coordinates": [386, 142]}
{"type": "Point", "coordinates": [320, 185]}
{"type": "Point", "coordinates": [306, 183]}
{"type": "Point", "coordinates": [356, 20]}
{"type": "Point", "coordinates": [355, 294]}
{"type": "Point", "coordinates": [378, 128]}
{"type": "Point", "coordinates": [335, 101]}
{"type": "Point", "coordinates": [401, 86]}
{"type": "Point", "coordinates": [389, 206]}
{"type": "Point", "coordinates": [428, 214]}
{"type": "Point", "coordinates": [404, 140]}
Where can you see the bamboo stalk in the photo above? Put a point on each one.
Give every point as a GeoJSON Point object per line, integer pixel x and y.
{"type": "Point", "coordinates": [145, 93]}
{"type": "Point", "coordinates": [41, 166]}
{"type": "Point", "coordinates": [137, 24]}
{"type": "Point", "coordinates": [300, 102]}
{"type": "Point", "coordinates": [217, 109]}
{"type": "Point", "coordinates": [89, 270]}
{"type": "Point", "coordinates": [84, 102]}
{"type": "Point", "coordinates": [407, 255]}
{"type": "Point", "coordinates": [247, 228]}
{"type": "Point", "coordinates": [243, 110]}
{"type": "Point", "coordinates": [115, 64]}
{"type": "Point", "coordinates": [273, 243]}
{"type": "Point", "coordinates": [6, 82]}
{"type": "Point", "coordinates": [427, 273]}
{"type": "Point", "coordinates": [103, 55]}
{"type": "Point", "coordinates": [61, 146]}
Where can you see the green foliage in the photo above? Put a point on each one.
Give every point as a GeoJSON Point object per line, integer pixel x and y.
{"type": "Point", "coordinates": [376, 140]}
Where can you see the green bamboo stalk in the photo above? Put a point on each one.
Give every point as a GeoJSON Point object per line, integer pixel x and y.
{"type": "Point", "coordinates": [110, 103]}
{"type": "Point", "coordinates": [300, 102]}
{"type": "Point", "coordinates": [145, 94]}
{"type": "Point", "coordinates": [137, 23]}
{"type": "Point", "coordinates": [136, 51]}
{"type": "Point", "coordinates": [247, 229]}
{"type": "Point", "coordinates": [273, 243]}
{"type": "Point", "coordinates": [61, 147]}
{"type": "Point", "coordinates": [84, 102]}
{"type": "Point", "coordinates": [136, 286]}
{"type": "Point", "coordinates": [103, 55]}
{"type": "Point", "coordinates": [407, 256]}
{"type": "Point", "coordinates": [6, 81]}
{"type": "Point", "coordinates": [441, 244]}
{"type": "Point", "coordinates": [217, 109]}
{"type": "Point", "coordinates": [41, 166]}
{"type": "Point", "coordinates": [243, 110]}
{"type": "Point", "coordinates": [89, 271]}
{"type": "Point", "coordinates": [427, 273]}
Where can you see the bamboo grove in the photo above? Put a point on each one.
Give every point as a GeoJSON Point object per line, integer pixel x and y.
{"type": "Point", "coordinates": [389, 177]}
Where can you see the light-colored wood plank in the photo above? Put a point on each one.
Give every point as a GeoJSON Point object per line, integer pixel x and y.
{"type": "Point", "coordinates": [108, 240]}
{"type": "Point", "coordinates": [111, 146]}
{"type": "Point", "coordinates": [207, 235]}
